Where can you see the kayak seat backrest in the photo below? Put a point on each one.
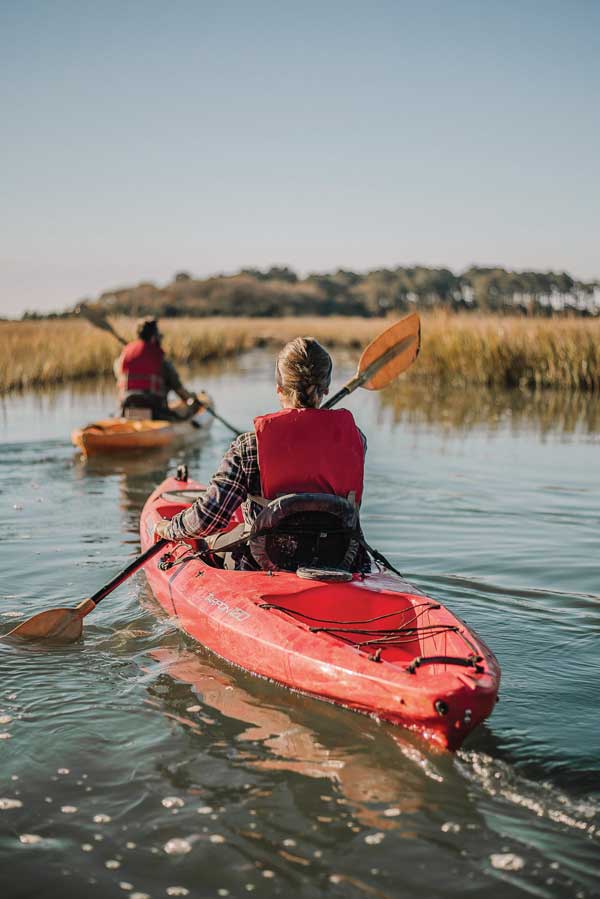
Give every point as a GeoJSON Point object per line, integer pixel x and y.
{"type": "Point", "coordinates": [306, 529]}
{"type": "Point", "coordinates": [152, 405]}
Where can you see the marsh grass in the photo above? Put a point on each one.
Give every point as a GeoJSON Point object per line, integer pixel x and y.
{"type": "Point", "coordinates": [460, 350]}
{"type": "Point", "coordinates": [511, 352]}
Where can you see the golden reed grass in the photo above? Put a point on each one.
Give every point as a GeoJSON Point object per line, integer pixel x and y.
{"type": "Point", "coordinates": [457, 349]}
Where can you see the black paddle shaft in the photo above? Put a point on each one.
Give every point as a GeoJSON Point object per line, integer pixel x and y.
{"type": "Point", "coordinates": [127, 572]}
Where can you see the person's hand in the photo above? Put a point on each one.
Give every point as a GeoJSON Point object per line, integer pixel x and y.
{"type": "Point", "coordinates": [203, 398]}
{"type": "Point", "coordinates": [161, 529]}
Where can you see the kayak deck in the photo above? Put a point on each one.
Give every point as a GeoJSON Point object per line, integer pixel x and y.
{"type": "Point", "coordinates": [375, 644]}
{"type": "Point", "coordinates": [116, 435]}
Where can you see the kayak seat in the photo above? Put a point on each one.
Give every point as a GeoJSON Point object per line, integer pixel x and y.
{"type": "Point", "coordinates": [151, 406]}
{"type": "Point", "coordinates": [303, 530]}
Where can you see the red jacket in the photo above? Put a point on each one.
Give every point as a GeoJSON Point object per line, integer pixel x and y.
{"type": "Point", "coordinates": [141, 368]}
{"type": "Point", "coordinates": [310, 451]}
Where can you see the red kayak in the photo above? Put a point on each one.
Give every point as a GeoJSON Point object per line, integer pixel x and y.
{"type": "Point", "coordinates": [374, 644]}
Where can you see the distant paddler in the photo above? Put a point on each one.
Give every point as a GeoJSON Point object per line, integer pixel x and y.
{"type": "Point", "coordinates": [145, 377]}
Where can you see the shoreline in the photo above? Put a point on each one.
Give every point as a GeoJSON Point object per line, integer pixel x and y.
{"type": "Point", "coordinates": [457, 349]}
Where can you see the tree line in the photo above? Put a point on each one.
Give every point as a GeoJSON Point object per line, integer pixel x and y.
{"type": "Point", "coordinates": [279, 291]}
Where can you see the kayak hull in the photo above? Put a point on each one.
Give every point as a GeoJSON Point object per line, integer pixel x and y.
{"type": "Point", "coordinates": [122, 435]}
{"type": "Point", "coordinates": [353, 644]}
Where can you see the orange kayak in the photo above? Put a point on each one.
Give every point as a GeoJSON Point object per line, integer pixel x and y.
{"type": "Point", "coordinates": [123, 435]}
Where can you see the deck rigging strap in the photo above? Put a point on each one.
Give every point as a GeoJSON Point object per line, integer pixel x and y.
{"type": "Point", "coordinates": [386, 638]}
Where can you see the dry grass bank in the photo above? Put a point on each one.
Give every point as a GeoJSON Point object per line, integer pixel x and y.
{"type": "Point", "coordinates": [461, 350]}
{"type": "Point", "coordinates": [511, 352]}
{"type": "Point", "coordinates": [50, 352]}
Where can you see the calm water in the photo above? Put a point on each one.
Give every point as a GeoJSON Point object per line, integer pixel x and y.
{"type": "Point", "coordinates": [136, 764]}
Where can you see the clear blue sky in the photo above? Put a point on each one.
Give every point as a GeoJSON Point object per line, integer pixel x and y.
{"type": "Point", "coordinates": [144, 138]}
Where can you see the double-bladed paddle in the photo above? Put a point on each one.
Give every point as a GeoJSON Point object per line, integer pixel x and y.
{"type": "Point", "coordinates": [391, 353]}
{"type": "Point", "coordinates": [96, 318]}
{"type": "Point", "coordinates": [386, 357]}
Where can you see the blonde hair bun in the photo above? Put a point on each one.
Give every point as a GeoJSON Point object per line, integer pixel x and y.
{"type": "Point", "coordinates": [303, 372]}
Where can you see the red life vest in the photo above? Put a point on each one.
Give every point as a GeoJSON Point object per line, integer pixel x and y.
{"type": "Point", "coordinates": [141, 368]}
{"type": "Point", "coordinates": [310, 451]}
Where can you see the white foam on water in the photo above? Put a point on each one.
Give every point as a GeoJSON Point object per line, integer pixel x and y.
{"type": "Point", "coordinates": [372, 839]}
{"type": "Point", "coordinates": [507, 861]}
{"type": "Point", "coordinates": [177, 846]}
{"type": "Point", "coordinates": [416, 756]}
{"type": "Point", "coordinates": [172, 802]}
{"type": "Point", "coordinates": [543, 799]}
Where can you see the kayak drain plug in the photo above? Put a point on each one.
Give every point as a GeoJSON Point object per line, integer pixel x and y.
{"type": "Point", "coordinates": [441, 707]}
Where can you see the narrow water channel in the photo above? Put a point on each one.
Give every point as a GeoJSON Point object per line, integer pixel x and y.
{"type": "Point", "coordinates": [135, 763]}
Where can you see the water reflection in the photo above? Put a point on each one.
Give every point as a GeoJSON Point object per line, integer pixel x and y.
{"type": "Point", "coordinates": [361, 760]}
{"type": "Point", "coordinates": [374, 780]}
{"type": "Point", "coordinates": [409, 401]}
{"type": "Point", "coordinates": [136, 478]}
{"type": "Point", "coordinates": [544, 412]}
{"type": "Point", "coordinates": [504, 530]}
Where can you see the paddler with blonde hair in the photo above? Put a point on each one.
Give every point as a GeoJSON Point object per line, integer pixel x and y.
{"type": "Point", "coordinates": [301, 449]}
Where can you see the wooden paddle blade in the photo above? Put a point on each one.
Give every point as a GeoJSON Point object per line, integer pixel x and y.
{"type": "Point", "coordinates": [97, 318]}
{"type": "Point", "coordinates": [55, 625]}
{"type": "Point", "coordinates": [408, 327]}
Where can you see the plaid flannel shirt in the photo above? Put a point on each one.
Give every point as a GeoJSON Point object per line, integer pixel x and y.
{"type": "Point", "coordinates": [237, 477]}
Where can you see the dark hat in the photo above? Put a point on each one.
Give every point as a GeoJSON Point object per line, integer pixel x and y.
{"type": "Point", "coordinates": [147, 328]}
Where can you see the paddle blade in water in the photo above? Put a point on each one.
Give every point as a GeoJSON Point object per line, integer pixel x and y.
{"type": "Point", "coordinates": [399, 333]}
{"type": "Point", "coordinates": [54, 625]}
